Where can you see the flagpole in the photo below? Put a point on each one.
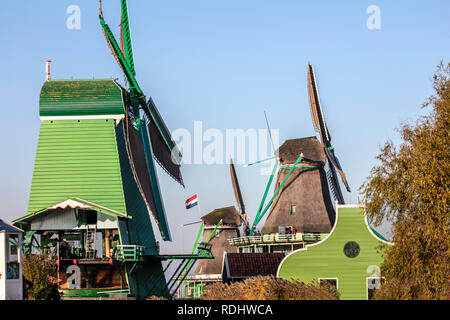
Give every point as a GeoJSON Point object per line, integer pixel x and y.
{"type": "Point", "coordinates": [199, 209]}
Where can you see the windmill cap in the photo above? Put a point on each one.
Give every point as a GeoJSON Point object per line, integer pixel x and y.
{"type": "Point", "coordinates": [311, 148]}
{"type": "Point", "coordinates": [229, 216]}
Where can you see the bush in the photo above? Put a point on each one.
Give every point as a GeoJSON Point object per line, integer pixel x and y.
{"type": "Point", "coordinates": [269, 288]}
{"type": "Point", "coordinates": [40, 272]}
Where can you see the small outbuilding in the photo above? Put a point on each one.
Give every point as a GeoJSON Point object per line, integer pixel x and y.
{"type": "Point", "coordinates": [11, 283]}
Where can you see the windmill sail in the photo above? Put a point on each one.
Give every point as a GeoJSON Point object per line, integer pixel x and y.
{"type": "Point", "coordinates": [118, 54]}
{"type": "Point", "coordinates": [125, 36]}
{"type": "Point", "coordinates": [139, 146]}
{"type": "Point", "coordinates": [140, 171]}
{"type": "Point", "coordinates": [316, 108]}
{"type": "Point", "coordinates": [321, 127]}
{"type": "Point", "coordinates": [163, 154]}
{"type": "Point", "coordinates": [237, 191]}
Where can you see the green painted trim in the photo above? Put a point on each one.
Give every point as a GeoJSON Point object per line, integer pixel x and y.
{"type": "Point", "coordinates": [193, 249]}
{"type": "Point", "coordinates": [300, 158]}
{"type": "Point", "coordinates": [258, 213]}
{"type": "Point", "coordinates": [300, 167]}
{"type": "Point", "coordinates": [84, 293]}
{"type": "Point", "coordinates": [214, 230]}
{"type": "Point", "coordinates": [127, 36]}
{"type": "Point", "coordinates": [253, 163]}
{"type": "Point", "coordinates": [378, 235]}
{"type": "Point", "coordinates": [117, 53]}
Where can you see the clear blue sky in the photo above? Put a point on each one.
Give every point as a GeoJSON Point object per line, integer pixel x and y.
{"type": "Point", "coordinates": [224, 63]}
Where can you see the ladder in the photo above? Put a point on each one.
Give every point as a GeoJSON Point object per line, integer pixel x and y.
{"type": "Point", "coordinates": [90, 242]}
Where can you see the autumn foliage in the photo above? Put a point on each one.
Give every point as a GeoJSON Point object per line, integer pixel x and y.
{"type": "Point", "coordinates": [268, 288]}
{"type": "Point", "coordinates": [411, 188]}
{"type": "Point", "coordinates": [40, 272]}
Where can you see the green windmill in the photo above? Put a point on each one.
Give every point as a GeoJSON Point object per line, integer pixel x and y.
{"type": "Point", "coordinates": [95, 184]}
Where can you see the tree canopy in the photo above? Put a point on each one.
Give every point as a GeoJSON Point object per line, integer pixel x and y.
{"type": "Point", "coordinates": [410, 188]}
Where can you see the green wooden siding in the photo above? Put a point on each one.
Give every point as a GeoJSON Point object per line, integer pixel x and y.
{"type": "Point", "coordinates": [80, 98]}
{"type": "Point", "coordinates": [77, 158]}
{"type": "Point", "coordinates": [327, 259]}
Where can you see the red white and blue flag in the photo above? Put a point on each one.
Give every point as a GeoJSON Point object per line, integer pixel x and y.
{"type": "Point", "coordinates": [191, 202]}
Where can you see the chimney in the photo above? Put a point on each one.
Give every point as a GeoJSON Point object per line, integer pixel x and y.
{"type": "Point", "coordinates": [47, 70]}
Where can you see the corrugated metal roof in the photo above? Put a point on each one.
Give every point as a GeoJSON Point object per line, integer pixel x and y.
{"type": "Point", "coordinates": [80, 98]}
{"type": "Point", "coordinates": [77, 158]}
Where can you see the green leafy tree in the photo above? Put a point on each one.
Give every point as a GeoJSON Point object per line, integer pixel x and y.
{"type": "Point", "coordinates": [40, 272]}
{"type": "Point", "coordinates": [410, 188]}
{"type": "Point", "coordinates": [268, 288]}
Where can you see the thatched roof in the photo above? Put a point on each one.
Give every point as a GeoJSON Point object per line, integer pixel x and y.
{"type": "Point", "coordinates": [312, 150]}
{"type": "Point", "coordinates": [229, 215]}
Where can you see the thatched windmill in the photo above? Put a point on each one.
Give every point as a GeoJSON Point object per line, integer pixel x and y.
{"type": "Point", "coordinates": [304, 200]}
{"type": "Point", "coordinates": [219, 226]}
{"type": "Point", "coordinates": [302, 191]}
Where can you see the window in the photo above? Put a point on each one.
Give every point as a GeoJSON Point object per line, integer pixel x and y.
{"type": "Point", "coordinates": [351, 249]}
{"type": "Point", "coordinates": [373, 284]}
{"type": "Point", "coordinates": [332, 281]}
{"type": "Point", "coordinates": [86, 217]}
{"type": "Point", "coordinates": [13, 244]}
{"type": "Point", "coordinates": [293, 209]}
{"type": "Point", "coordinates": [12, 270]}
{"type": "Point", "coordinates": [12, 266]}
{"type": "Point", "coordinates": [91, 217]}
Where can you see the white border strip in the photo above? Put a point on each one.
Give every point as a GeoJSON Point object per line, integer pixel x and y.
{"type": "Point", "coordinates": [98, 117]}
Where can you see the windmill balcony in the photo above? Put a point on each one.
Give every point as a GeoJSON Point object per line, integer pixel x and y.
{"type": "Point", "coordinates": [132, 253]}
{"type": "Point", "coordinates": [277, 238]}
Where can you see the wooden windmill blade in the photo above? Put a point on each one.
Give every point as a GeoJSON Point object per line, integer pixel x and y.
{"type": "Point", "coordinates": [320, 126]}
{"type": "Point", "coordinates": [316, 108]}
{"type": "Point", "coordinates": [237, 191]}
{"type": "Point", "coordinates": [119, 55]}
{"type": "Point", "coordinates": [335, 164]}
{"type": "Point", "coordinates": [145, 175]}
{"type": "Point", "coordinates": [332, 180]}
{"type": "Point", "coordinates": [127, 66]}
{"type": "Point", "coordinates": [152, 136]}
{"type": "Point", "coordinates": [125, 36]}
{"type": "Point", "coordinates": [165, 150]}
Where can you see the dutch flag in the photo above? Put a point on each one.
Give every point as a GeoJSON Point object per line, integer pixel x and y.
{"type": "Point", "coordinates": [191, 202]}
